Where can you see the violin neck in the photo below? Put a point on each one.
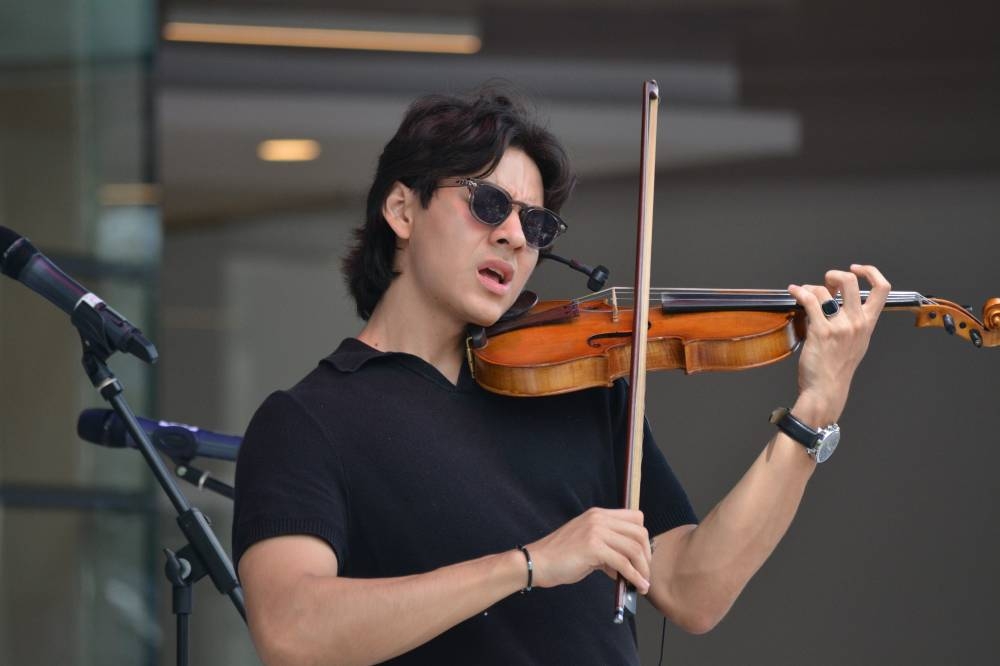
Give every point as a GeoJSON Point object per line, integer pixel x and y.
{"type": "Point", "coordinates": [768, 300]}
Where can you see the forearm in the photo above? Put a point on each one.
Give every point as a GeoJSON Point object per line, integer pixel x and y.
{"type": "Point", "coordinates": [334, 620]}
{"type": "Point", "coordinates": [710, 565]}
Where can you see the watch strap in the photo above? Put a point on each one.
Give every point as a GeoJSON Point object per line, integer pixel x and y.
{"type": "Point", "coordinates": [794, 428]}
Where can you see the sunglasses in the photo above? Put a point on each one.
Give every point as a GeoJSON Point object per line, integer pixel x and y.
{"type": "Point", "coordinates": [491, 205]}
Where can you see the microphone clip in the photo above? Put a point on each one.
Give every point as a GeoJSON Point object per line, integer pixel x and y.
{"type": "Point", "coordinates": [104, 331]}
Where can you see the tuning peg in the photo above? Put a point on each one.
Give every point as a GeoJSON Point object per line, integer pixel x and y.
{"type": "Point", "coordinates": [949, 324]}
{"type": "Point", "coordinates": [976, 338]}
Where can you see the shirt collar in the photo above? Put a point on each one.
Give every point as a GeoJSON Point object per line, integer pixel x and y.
{"type": "Point", "coordinates": [352, 354]}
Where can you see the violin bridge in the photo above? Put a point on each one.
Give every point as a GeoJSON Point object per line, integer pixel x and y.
{"type": "Point", "coordinates": [614, 304]}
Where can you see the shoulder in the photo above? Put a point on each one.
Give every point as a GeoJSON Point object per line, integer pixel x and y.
{"type": "Point", "coordinates": [329, 387]}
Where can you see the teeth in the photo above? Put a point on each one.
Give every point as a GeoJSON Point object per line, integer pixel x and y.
{"type": "Point", "coordinates": [497, 273]}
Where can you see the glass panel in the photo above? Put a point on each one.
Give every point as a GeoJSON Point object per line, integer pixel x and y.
{"type": "Point", "coordinates": [79, 570]}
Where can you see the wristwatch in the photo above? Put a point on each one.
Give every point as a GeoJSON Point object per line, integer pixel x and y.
{"type": "Point", "coordinates": [820, 444]}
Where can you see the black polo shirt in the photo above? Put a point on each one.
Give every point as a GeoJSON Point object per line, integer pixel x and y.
{"type": "Point", "coordinates": [402, 472]}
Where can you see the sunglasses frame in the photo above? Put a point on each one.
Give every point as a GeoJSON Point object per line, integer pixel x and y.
{"type": "Point", "coordinates": [473, 185]}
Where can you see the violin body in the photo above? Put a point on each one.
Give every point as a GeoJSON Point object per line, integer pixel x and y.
{"type": "Point", "coordinates": [594, 348]}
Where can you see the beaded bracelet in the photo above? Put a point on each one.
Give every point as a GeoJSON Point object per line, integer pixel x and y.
{"type": "Point", "coordinates": [531, 567]}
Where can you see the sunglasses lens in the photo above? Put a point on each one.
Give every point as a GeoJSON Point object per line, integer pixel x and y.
{"type": "Point", "coordinates": [540, 227]}
{"type": "Point", "coordinates": [490, 204]}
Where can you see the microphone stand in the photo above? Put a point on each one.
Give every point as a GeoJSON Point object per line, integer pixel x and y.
{"type": "Point", "coordinates": [203, 554]}
{"type": "Point", "coordinates": [199, 477]}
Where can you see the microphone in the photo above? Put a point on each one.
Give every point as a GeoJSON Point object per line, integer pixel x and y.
{"type": "Point", "coordinates": [98, 324]}
{"type": "Point", "coordinates": [597, 276]}
{"type": "Point", "coordinates": [178, 441]}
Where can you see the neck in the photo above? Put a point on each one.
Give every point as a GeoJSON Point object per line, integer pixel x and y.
{"type": "Point", "coordinates": [399, 325]}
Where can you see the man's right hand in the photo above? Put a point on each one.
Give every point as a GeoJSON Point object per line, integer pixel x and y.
{"type": "Point", "coordinates": [610, 540]}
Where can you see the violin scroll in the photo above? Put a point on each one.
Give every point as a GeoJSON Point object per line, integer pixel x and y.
{"type": "Point", "coordinates": [991, 314]}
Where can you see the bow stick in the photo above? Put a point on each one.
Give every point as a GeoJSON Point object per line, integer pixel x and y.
{"type": "Point", "coordinates": [625, 596]}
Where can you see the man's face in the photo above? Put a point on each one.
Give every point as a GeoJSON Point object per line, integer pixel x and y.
{"type": "Point", "coordinates": [468, 271]}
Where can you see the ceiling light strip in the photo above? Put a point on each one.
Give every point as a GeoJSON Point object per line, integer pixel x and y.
{"type": "Point", "coordinates": [288, 150]}
{"type": "Point", "coordinates": [321, 38]}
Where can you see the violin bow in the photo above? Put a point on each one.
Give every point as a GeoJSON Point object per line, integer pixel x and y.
{"type": "Point", "coordinates": [625, 599]}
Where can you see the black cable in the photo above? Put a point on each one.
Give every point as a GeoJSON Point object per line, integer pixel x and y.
{"type": "Point", "coordinates": [663, 635]}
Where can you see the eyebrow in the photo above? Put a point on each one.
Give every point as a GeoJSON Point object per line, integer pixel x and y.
{"type": "Point", "coordinates": [512, 198]}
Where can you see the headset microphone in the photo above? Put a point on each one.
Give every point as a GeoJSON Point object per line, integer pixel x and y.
{"type": "Point", "coordinates": [597, 275]}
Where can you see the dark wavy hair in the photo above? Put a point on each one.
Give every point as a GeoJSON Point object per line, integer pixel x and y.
{"type": "Point", "coordinates": [443, 136]}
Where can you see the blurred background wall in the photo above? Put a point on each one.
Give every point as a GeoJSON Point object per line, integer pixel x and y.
{"type": "Point", "coordinates": [794, 137]}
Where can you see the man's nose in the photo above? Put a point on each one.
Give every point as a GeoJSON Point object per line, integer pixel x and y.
{"type": "Point", "coordinates": [510, 231]}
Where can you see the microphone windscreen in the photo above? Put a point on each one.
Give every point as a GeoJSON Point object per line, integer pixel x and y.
{"type": "Point", "coordinates": [11, 263]}
{"type": "Point", "coordinates": [97, 426]}
{"type": "Point", "coordinates": [7, 238]}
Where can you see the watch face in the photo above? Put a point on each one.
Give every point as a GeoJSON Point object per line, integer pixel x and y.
{"type": "Point", "coordinates": [827, 443]}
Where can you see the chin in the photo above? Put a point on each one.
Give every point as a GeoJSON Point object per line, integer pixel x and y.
{"type": "Point", "coordinates": [485, 321]}
{"type": "Point", "coordinates": [486, 316]}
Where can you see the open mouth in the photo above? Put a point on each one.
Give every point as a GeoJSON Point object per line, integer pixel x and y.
{"type": "Point", "coordinates": [493, 274]}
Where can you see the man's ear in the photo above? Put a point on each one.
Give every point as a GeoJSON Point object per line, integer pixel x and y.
{"type": "Point", "coordinates": [397, 209]}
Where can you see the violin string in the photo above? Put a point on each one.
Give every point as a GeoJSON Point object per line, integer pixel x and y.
{"type": "Point", "coordinates": [734, 297]}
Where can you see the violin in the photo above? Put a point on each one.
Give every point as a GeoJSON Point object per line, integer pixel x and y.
{"type": "Point", "coordinates": [552, 347]}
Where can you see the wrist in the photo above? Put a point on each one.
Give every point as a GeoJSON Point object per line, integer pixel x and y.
{"type": "Point", "coordinates": [813, 412]}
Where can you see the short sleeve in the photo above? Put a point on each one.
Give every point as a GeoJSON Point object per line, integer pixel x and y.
{"type": "Point", "coordinates": [662, 499]}
{"type": "Point", "coordinates": [289, 480]}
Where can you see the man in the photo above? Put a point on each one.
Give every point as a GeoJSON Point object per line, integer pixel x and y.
{"type": "Point", "coordinates": [388, 508]}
